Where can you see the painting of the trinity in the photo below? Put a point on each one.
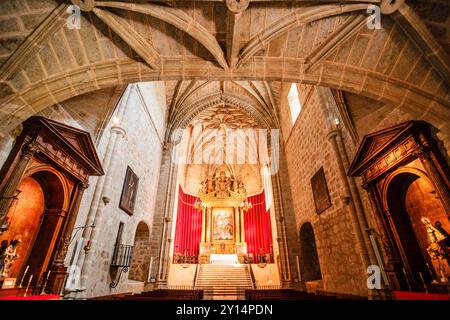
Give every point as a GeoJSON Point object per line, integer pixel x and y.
{"type": "Point", "coordinates": [223, 225]}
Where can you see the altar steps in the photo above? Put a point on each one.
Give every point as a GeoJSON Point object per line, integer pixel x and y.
{"type": "Point", "coordinates": [222, 282]}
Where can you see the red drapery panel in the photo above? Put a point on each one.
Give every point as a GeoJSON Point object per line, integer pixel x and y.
{"type": "Point", "coordinates": [258, 229]}
{"type": "Point", "coordinates": [188, 230]}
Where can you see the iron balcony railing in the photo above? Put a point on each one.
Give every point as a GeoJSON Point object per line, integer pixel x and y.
{"type": "Point", "coordinates": [122, 256]}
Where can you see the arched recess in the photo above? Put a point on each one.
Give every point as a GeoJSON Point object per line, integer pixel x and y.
{"type": "Point", "coordinates": [37, 218]}
{"type": "Point", "coordinates": [408, 196]}
{"type": "Point", "coordinates": [309, 259]}
{"type": "Point", "coordinates": [184, 116]}
{"type": "Point", "coordinates": [141, 254]}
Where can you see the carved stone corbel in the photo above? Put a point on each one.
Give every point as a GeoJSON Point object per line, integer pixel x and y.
{"type": "Point", "coordinates": [237, 6]}
{"type": "Point", "coordinates": [390, 6]}
{"type": "Point", "coordinates": [84, 5]}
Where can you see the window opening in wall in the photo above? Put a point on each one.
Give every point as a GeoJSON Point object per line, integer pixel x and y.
{"type": "Point", "coordinates": [294, 102]}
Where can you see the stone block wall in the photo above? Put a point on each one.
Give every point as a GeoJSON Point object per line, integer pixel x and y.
{"type": "Point", "coordinates": [141, 149]}
{"type": "Point", "coordinates": [307, 150]}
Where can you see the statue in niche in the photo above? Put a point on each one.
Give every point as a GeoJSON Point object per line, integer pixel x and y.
{"type": "Point", "coordinates": [8, 256]}
{"type": "Point", "coordinates": [223, 185]}
{"type": "Point", "coordinates": [438, 226]}
{"type": "Point", "coordinates": [242, 189]}
{"type": "Point", "coordinates": [434, 235]}
{"type": "Point", "coordinates": [210, 185]}
{"type": "Point", "coordinates": [234, 185]}
{"type": "Point", "coordinates": [204, 189]}
{"type": "Point", "coordinates": [438, 249]}
{"type": "Point", "coordinates": [3, 247]}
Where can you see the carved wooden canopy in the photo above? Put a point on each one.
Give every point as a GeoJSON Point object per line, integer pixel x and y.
{"type": "Point", "coordinates": [70, 148]}
{"type": "Point", "coordinates": [386, 149]}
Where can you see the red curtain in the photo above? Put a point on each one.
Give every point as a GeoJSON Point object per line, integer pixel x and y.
{"type": "Point", "coordinates": [188, 230]}
{"type": "Point", "coordinates": [258, 228]}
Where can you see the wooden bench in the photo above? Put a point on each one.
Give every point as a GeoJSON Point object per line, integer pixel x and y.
{"type": "Point", "coordinates": [160, 294]}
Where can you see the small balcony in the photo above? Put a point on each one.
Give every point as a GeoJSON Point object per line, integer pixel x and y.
{"type": "Point", "coordinates": [122, 256]}
{"type": "Point", "coordinates": [120, 262]}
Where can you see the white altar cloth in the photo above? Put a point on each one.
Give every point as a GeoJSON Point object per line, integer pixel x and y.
{"type": "Point", "coordinates": [223, 259]}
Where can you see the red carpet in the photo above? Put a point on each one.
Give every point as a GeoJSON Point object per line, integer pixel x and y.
{"type": "Point", "coordinates": [38, 297]}
{"type": "Point", "coordinates": [405, 295]}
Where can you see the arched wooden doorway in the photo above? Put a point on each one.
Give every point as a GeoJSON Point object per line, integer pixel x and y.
{"type": "Point", "coordinates": [140, 261]}
{"type": "Point", "coordinates": [309, 259]}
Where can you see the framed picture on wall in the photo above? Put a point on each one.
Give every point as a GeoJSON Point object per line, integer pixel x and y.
{"type": "Point", "coordinates": [129, 191]}
{"type": "Point", "coordinates": [320, 191]}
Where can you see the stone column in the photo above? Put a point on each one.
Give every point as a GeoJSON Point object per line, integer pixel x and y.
{"type": "Point", "coordinates": [170, 194]}
{"type": "Point", "coordinates": [209, 225]}
{"type": "Point", "coordinates": [203, 238]}
{"type": "Point", "coordinates": [242, 224]}
{"type": "Point", "coordinates": [426, 159]}
{"type": "Point", "coordinates": [357, 213]}
{"type": "Point", "coordinates": [356, 197]}
{"type": "Point", "coordinates": [359, 236]}
{"type": "Point", "coordinates": [352, 195]}
{"type": "Point", "coordinates": [94, 217]}
{"type": "Point", "coordinates": [237, 225]}
{"type": "Point", "coordinates": [284, 261]}
{"type": "Point", "coordinates": [9, 191]}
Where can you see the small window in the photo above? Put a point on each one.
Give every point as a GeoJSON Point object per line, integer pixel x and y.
{"type": "Point", "coordinates": [294, 102]}
{"type": "Point", "coordinates": [119, 234]}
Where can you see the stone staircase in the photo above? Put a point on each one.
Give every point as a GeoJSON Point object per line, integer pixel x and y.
{"type": "Point", "coordinates": [223, 281]}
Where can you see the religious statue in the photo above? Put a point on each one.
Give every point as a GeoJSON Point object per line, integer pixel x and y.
{"type": "Point", "coordinates": [131, 189]}
{"type": "Point", "coordinates": [210, 185]}
{"type": "Point", "coordinates": [434, 235]}
{"type": "Point", "coordinates": [438, 226]}
{"type": "Point", "coordinates": [241, 189]}
{"type": "Point", "coordinates": [7, 257]}
{"type": "Point", "coordinates": [438, 249]}
{"type": "Point", "coordinates": [3, 247]}
{"type": "Point", "coordinates": [223, 185]}
{"type": "Point", "coordinates": [204, 189]}
{"type": "Point", "coordinates": [234, 184]}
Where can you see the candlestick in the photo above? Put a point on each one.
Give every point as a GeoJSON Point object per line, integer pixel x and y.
{"type": "Point", "coordinates": [45, 283]}
{"type": "Point", "coordinates": [63, 287]}
{"type": "Point", "coordinates": [24, 275]}
{"type": "Point", "coordinates": [28, 285]}
{"type": "Point", "coordinates": [423, 282]}
{"type": "Point", "coordinates": [406, 278]}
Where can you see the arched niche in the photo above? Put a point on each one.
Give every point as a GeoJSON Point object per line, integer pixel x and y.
{"type": "Point", "coordinates": [51, 162]}
{"type": "Point", "coordinates": [407, 180]}
{"type": "Point", "coordinates": [309, 259]}
{"type": "Point", "coordinates": [38, 229]}
{"type": "Point", "coordinates": [140, 261]}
